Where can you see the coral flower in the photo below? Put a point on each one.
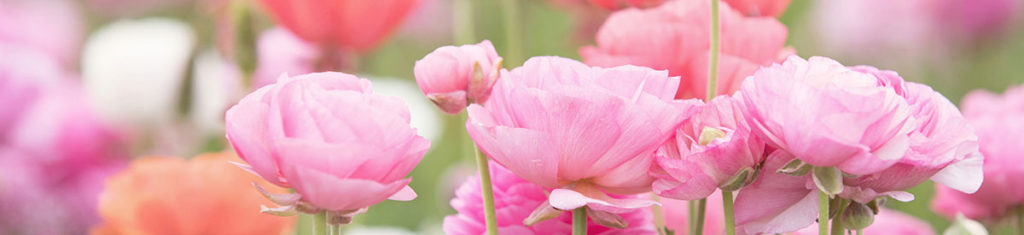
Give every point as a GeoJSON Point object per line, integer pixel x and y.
{"type": "Point", "coordinates": [675, 37]}
{"type": "Point", "coordinates": [452, 77]}
{"type": "Point", "coordinates": [713, 149]}
{"type": "Point", "coordinates": [514, 199]}
{"type": "Point", "coordinates": [168, 195]}
{"type": "Point", "coordinates": [341, 147]}
{"type": "Point", "coordinates": [584, 131]}
{"type": "Point", "coordinates": [1000, 127]}
{"type": "Point", "coordinates": [348, 25]}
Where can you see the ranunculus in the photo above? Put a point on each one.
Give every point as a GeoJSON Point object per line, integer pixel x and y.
{"type": "Point", "coordinates": [281, 52]}
{"type": "Point", "coordinates": [514, 199]}
{"type": "Point", "coordinates": [53, 27]}
{"type": "Point", "coordinates": [932, 139]}
{"type": "Point", "coordinates": [675, 37]}
{"type": "Point", "coordinates": [348, 25]}
{"type": "Point", "coordinates": [134, 70]}
{"type": "Point", "coordinates": [583, 131]}
{"type": "Point", "coordinates": [773, 8]}
{"type": "Point", "coordinates": [341, 147]}
{"type": "Point", "coordinates": [972, 20]}
{"type": "Point", "coordinates": [887, 221]}
{"type": "Point", "coordinates": [828, 115]}
{"type": "Point", "coordinates": [1000, 127]}
{"type": "Point", "coordinates": [170, 195]}
{"type": "Point", "coordinates": [710, 150]}
{"type": "Point", "coordinates": [452, 76]}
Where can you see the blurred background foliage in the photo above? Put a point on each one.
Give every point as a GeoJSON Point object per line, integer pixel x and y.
{"type": "Point", "coordinates": [551, 29]}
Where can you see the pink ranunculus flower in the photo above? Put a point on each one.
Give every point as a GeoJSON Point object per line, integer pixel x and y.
{"type": "Point", "coordinates": [887, 221]}
{"type": "Point", "coordinates": [584, 131]}
{"type": "Point", "coordinates": [281, 52]}
{"type": "Point", "coordinates": [1000, 127]}
{"type": "Point", "coordinates": [709, 150]}
{"type": "Point", "coordinates": [452, 76]}
{"type": "Point", "coordinates": [972, 20]}
{"type": "Point", "coordinates": [675, 37]}
{"type": "Point", "coordinates": [773, 8]}
{"type": "Point", "coordinates": [940, 145]}
{"type": "Point", "coordinates": [828, 115]}
{"type": "Point", "coordinates": [514, 199]}
{"type": "Point", "coordinates": [302, 133]}
{"type": "Point", "coordinates": [355, 26]}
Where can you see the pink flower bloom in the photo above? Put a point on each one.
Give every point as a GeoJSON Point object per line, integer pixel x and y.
{"type": "Point", "coordinates": [584, 131]}
{"type": "Point", "coordinates": [708, 151]}
{"type": "Point", "coordinates": [51, 27]}
{"type": "Point", "coordinates": [300, 133]}
{"type": "Point", "coordinates": [348, 25]}
{"type": "Point", "coordinates": [677, 217]}
{"type": "Point", "coordinates": [514, 199]}
{"type": "Point", "coordinates": [1000, 126]}
{"type": "Point", "coordinates": [54, 150]}
{"type": "Point", "coordinates": [938, 143]}
{"type": "Point", "coordinates": [452, 76]}
{"type": "Point", "coordinates": [887, 222]}
{"type": "Point", "coordinates": [675, 37]}
{"type": "Point", "coordinates": [828, 115]}
{"type": "Point", "coordinates": [281, 52]}
{"type": "Point", "coordinates": [773, 8]}
{"type": "Point", "coordinates": [976, 19]}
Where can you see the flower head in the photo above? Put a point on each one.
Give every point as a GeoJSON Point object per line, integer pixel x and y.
{"type": "Point", "coordinates": [356, 26]}
{"type": "Point", "coordinates": [452, 76]}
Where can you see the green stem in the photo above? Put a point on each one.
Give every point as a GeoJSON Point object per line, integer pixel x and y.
{"type": "Point", "coordinates": [579, 221]}
{"type": "Point", "coordinates": [488, 192]}
{"type": "Point", "coordinates": [1020, 219]}
{"type": "Point", "coordinates": [658, 213]}
{"type": "Point", "coordinates": [320, 223]}
{"type": "Point", "coordinates": [691, 219]}
{"type": "Point", "coordinates": [730, 219]}
{"type": "Point", "coordinates": [837, 225]}
{"type": "Point", "coordinates": [713, 70]}
{"type": "Point", "coordinates": [699, 226]}
{"type": "Point", "coordinates": [513, 34]}
{"type": "Point", "coordinates": [822, 213]}
{"type": "Point", "coordinates": [462, 20]}
{"type": "Point", "coordinates": [860, 232]}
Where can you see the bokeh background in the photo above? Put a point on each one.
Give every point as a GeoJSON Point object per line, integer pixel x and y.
{"type": "Point", "coordinates": [889, 34]}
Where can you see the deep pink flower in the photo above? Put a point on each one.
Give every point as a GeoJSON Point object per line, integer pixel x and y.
{"type": "Point", "coordinates": [675, 37]}
{"type": "Point", "coordinates": [1000, 127]}
{"type": "Point", "coordinates": [584, 131]}
{"type": "Point", "coordinates": [828, 115]}
{"type": "Point", "coordinates": [301, 133]}
{"type": "Point", "coordinates": [348, 25]}
{"type": "Point", "coordinates": [689, 169]}
{"type": "Point", "coordinates": [773, 8]}
{"type": "Point", "coordinates": [52, 27]}
{"type": "Point", "coordinates": [887, 221]}
{"type": "Point", "coordinates": [453, 76]}
{"type": "Point", "coordinates": [976, 19]}
{"type": "Point", "coordinates": [514, 199]}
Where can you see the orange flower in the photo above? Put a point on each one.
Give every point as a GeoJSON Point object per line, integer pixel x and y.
{"type": "Point", "coordinates": [205, 195]}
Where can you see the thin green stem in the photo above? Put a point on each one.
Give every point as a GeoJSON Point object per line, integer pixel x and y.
{"type": "Point", "coordinates": [860, 232]}
{"type": "Point", "coordinates": [691, 218]}
{"type": "Point", "coordinates": [730, 219]}
{"type": "Point", "coordinates": [320, 223]}
{"type": "Point", "coordinates": [822, 213]}
{"type": "Point", "coordinates": [699, 226]}
{"type": "Point", "coordinates": [488, 192]}
{"type": "Point", "coordinates": [579, 221]}
{"type": "Point", "coordinates": [1020, 219]}
{"type": "Point", "coordinates": [837, 225]}
{"type": "Point", "coordinates": [462, 20]}
{"type": "Point", "coordinates": [658, 213]}
{"type": "Point", "coordinates": [513, 34]}
{"type": "Point", "coordinates": [713, 68]}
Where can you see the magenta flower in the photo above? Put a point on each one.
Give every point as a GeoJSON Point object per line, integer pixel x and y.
{"type": "Point", "coordinates": [887, 221]}
{"type": "Point", "coordinates": [584, 131]}
{"type": "Point", "coordinates": [300, 133]}
{"type": "Point", "coordinates": [674, 37]}
{"type": "Point", "coordinates": [1000, 126]}
{"type": "Point", "coordinates": [713, 149]}
{"type": "Point", "coordinates": [452, 76]}
{"type": "Point", "coordinates": [514, 199]}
